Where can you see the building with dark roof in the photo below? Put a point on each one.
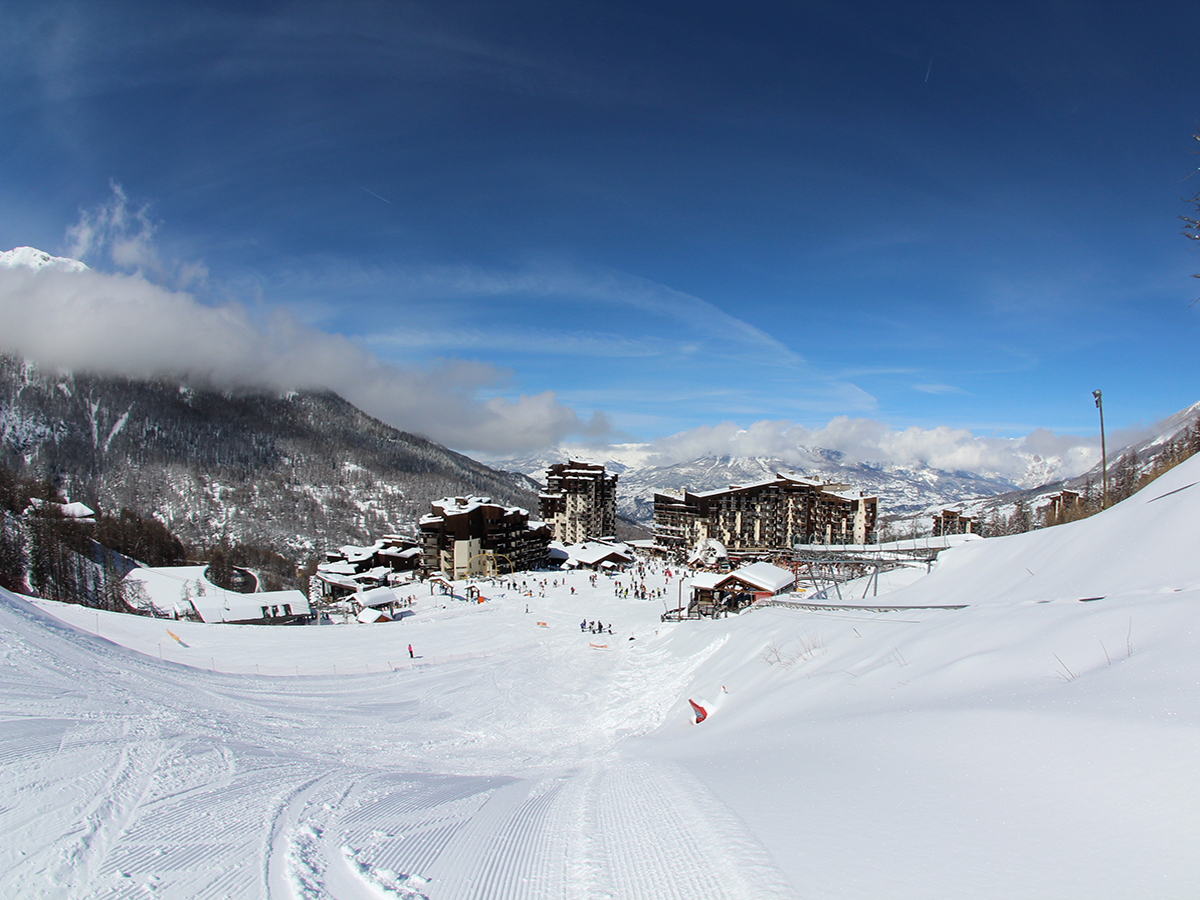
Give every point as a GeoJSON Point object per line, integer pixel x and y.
{"type": "Point", "coordinates": [768, 515]}
{"type": "Point", "coordinates": [464, 536]}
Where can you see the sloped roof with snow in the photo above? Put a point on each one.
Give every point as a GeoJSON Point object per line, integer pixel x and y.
{"type": "Point", "coordinates": [234, 607]}
{"type": "Point", "coordinates": [176, 588]}
{"type": "Point", "coordinates": [762, 576]}
{"type": "Point", "coordinates": [379, 596]}
{"type": "Point", "coordinates": [591, 553]}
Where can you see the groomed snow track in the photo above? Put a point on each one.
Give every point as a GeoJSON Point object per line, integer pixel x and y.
{"type": "Point", "coordinates": [125, 777]}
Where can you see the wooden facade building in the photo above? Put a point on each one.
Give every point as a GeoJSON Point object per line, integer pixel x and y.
{"type": "Point", "coordinates": [580, 502]}
{"type": "Point", "coordinates": [464, 536]}
{"type": "Point", "coordinates": [769, 515]}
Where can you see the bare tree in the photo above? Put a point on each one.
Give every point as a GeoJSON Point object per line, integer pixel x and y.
{"type": "Point", "coordinates": [1191, 224]}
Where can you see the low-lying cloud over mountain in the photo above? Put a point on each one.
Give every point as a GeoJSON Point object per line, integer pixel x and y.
{"type": "Point", "coordinates": [869, 441]}
{"type": "Point", "coordinates": [142, 321]}
{"type": "Point", "coordinates": [147, 319]}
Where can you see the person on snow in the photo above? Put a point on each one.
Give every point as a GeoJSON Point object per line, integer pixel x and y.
{"type": "Point", "coordinates": [410, 653]}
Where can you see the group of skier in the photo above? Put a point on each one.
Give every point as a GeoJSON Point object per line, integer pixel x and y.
{"type": "Point", "coordinates": [595, 627]}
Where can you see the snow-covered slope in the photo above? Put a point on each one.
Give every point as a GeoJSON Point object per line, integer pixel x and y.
{"type": "Point", "coordinates": [1039, 743]}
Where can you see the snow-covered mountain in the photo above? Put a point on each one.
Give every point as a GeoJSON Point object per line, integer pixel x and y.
{"type": "Point", "coordinates": [1135, 461]}
{"type": "Point", "coordinates": [32, 258]}
{"type": "Point", "coordinates": [300, 471]}
{"type": "Point", "coordinates": [901, 489]}
{"type": "Point", "coordinates": [905, 491]}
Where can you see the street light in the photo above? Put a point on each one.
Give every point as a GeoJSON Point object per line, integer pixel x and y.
{"type": "Point", "coordinates": [1103, 452]}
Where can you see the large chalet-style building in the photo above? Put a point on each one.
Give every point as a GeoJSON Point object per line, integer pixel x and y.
{"type": "Point", "coordinates": [580, 502]}
{"type": "Point", "coordinates": [769, 515]}
{"type": "Point", "coordinates": [464, 536]}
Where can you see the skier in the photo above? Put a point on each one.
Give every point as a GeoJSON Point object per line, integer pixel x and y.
{"type": "Point", "coordinates": [583, 625]}
{"type": "Point", "coordinates": [410, 653]}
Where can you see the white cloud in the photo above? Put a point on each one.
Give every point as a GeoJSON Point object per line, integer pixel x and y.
{"type": "Point", "coordinates": [121, 231]}
{"type": "Point", "coordinates": [125, 324]}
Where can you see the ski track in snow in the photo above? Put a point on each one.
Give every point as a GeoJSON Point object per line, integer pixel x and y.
{"type": "Point", "coordinates": [160, 781]}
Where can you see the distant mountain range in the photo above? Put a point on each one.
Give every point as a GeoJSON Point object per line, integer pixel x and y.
{"type": "Point", "coordinates": [1144, 455]}
{"type": "Point", "coordinates": [309, 471]}
{"type": "Point", "coordinates": [902, 490]}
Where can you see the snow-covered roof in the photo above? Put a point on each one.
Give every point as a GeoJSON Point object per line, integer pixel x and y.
{"type": "Point", "coordinates": [379, 596]}
{"type": "Point", "coordinates": [708, 581]}
{"type": "Point", "coordinates": [356, 554]}
{"type": "Point", "coordinates": [75, 510]}
{"type": "Point", "coordinates": [231, 606]}
{"type": "Point", "coordinates": [591, 553]}
{"type": "Point", "coordinates": [850, 495]}
{"type": "Point", "coordinates": [397, 553]}
{"type": "Point", "coordinates": [369, 616]}
{"type": "Point", "coordinates": [456, 506]}
{"type": "Point", "coordinates": [340, 580]}
{"type": "Point", "coordinates": [182, 589]}
{"type": "Point", "coordinates": [765, 576]}
{"type": "Point", "coordinates": [761, 575]}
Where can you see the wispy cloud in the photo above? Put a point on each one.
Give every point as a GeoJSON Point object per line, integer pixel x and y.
{"type": "Point", "coordinates": [531, 342]}
{"type": "Point", "coordinates": [580, 289]}
{"type": "Point", "coordinates": [938, 389]}
{"type": "Point", "coordinates": [122, 232]}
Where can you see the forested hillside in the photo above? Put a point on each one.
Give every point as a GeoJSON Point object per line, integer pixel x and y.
{"type": "Point", "coordinates": [298, 472]}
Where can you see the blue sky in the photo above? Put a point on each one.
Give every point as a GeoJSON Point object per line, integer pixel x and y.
{"type": "Point", "coordinates": [622, 221]}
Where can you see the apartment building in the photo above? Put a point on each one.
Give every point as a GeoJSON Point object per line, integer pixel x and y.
{"type": "Point", "coordinates": [580, 502]}
{"type": "Point", "coordinates": [464, 536]}
{"type": "Point", "coordinates": [769, 515]}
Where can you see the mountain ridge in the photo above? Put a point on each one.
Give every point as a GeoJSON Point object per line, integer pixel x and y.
{"type": "Point", "coordinates": [302, 470]}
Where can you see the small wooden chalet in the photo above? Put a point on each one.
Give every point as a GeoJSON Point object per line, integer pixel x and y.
{"type": "Point", "coordinates": [383, 599]}
{"type": "Point", "coordinates": [597, 555]}
{"type": "Point", "coordinates": [716, 592]}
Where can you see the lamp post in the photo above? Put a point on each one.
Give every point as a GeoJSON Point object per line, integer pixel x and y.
{"type": "Point", "coordinates": [1103, 452]}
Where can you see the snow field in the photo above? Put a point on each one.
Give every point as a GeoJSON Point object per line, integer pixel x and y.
{"type": "Point", "coordinates": [1029, 745]}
